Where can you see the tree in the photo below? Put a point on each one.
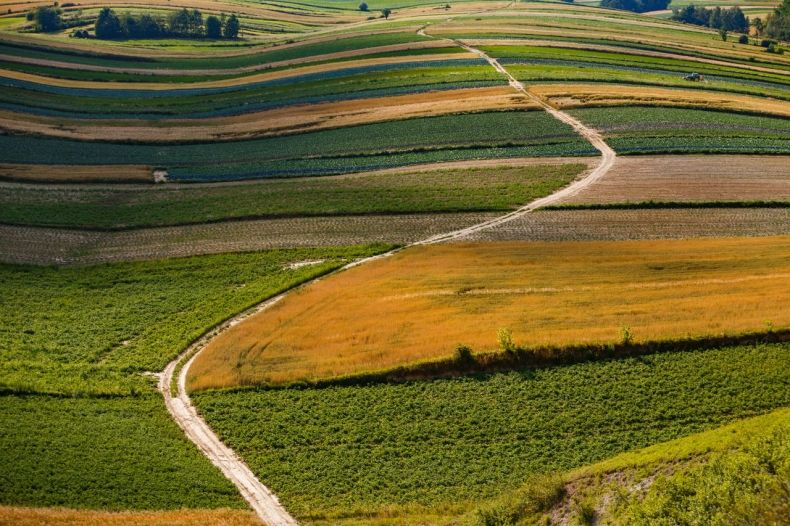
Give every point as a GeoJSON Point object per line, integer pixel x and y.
{"type": "Point", "coordinates": [743, 39]}
{"type": "Point", "coordinates": [213, 27]}
{"type": "Point", "coordinates": [723, 34]}
{"type": "Point", "coordinates": [232, 27]}
{"type": "Point", "coordinates": [757, 24]}
{"type": "Point", "coordinates": [363, 6]}
{"type": "Point", "coordinates": [638, 6]}
{"type": "Point", "coordinates": [47, 19]}
{"type": "Point", "coordinates": [108, 25]}
{"type": "Point", "coordinates": [777, 25]}
{"type": "Point", "coordinates": [150, 27]}
{"type": "Point", "coordinates": [180, 22]}
{"type": "Point", "coordinates": [386, 12]}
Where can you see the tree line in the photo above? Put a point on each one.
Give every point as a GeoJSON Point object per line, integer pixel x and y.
{"type": "Point", "coordinates": [731, 19]}
{"type": "Point", "coordinates": [637, 6]}
{"type": "Point", "coordinates": [179, 24]}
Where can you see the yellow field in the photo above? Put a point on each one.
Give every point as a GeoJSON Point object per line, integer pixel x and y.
{"type": "Point", "coordinates": [10, 515]}
{"type": "Point", "coordinates": [571, 95]}
{"type": "Point", "coordinates": [421, 303]}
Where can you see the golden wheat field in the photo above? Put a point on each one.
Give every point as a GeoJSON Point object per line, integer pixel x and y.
{"type": "Point", "coordinates": [422, 303]}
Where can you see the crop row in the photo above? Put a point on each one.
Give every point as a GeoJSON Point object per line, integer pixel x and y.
{"type": "Point", "coordinates": [471, 190]}
{"type": "Point", "coordinates": [347, 450]}
{"type": "Point", "coordinates": [244, 98]}
{"type": "Point", "coordinates": [365, 147]}
{"type": "Point", "coordinates": [536, 71]}
{"type": "Point", "coordinates": [274, 55]}
{"type": "Point", "coordinates": [650, 130]}
{"type": "Point", "coordinates": [537, 54]}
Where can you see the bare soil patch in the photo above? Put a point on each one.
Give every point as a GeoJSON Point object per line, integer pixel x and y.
{"type": "Point", "coordinates": [48, 173]}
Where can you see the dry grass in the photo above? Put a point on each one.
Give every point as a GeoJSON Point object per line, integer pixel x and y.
{"type": "Point", "coordinates": [688, 178]}
{"type": "Point", "coordinates": [293, 119]}
{"type": "Point", "coordinates": [15, 516]}
{"type": "Point", "coordinates": [45, 173]}
{"type": "Point", "coordinates": [569, 95]}
{"type": "Point", "coordinates": [420, 304]}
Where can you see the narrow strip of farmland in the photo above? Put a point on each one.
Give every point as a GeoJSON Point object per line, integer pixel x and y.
{"type": "Point", "coordinates": [262, 500]}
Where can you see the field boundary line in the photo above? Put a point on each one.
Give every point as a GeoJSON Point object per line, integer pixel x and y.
{"type": "Point", "coordinates": [262, 500]}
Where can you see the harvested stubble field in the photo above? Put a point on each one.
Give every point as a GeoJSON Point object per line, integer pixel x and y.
{"type": "Point", "coordinates": [671, 223]}
{"type": "Point", "coordinates": [691, 178]}
{"type": "Point", "coordinates": [420, 304]}
{"type": "Point", "coordinates": [381, 451]}
{"type": "Point", "coordinates": [573, 95]}
{"type": "Point", "coordinates": [474, 187]}
{"type": "Point", "coordinates": [51, 246]}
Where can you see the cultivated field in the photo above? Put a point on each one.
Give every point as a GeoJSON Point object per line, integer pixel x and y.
{"type": "Point", "coordinates": [703, 178]}
{"type": "Point", "coordinates": [547, 294]}
{"type": "Point", "coordinates": [561, 263]}
{"type": "Point", "coordinates": [640, 222]}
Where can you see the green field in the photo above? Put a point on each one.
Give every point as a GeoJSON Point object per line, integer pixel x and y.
{"type": "Point", "coordinates": [643, 130]}
{"type": "Point", "coordinates": [433, 443]}
{"type": "Point", "coordinates": [442, 191]}
{"type": "Point", "coordinates": [103, 453]}
{"type": "Point", "coordinates": [350, 149]}
{"type": "Point", "coordinates": [92, 330]}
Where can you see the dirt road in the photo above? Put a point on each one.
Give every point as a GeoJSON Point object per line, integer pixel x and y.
{"type": "Point", "coordinates": [262, 500]}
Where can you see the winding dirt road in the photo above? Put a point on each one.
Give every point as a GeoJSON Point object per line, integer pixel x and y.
{"type": "Point", "coordinates": [260, 498]}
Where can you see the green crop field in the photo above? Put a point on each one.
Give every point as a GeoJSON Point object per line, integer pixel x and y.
{"type": "Point", "coordinates": [641, 130]}
{"type": "Point", "coordinates": [344, 450]}
{"type": "Point", "coordinates": [103, 453]}
{"type": "Point", "coordinates": [466, 190]}
{"type": "Point", "coordinates": [92, 330]}
{"type": "Point", "coordinates": [357, 148]}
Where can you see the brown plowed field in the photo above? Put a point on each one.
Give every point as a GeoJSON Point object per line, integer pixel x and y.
{"type": "Point", "coordinates": [44, 173]}
{"type": "Point", "coordinates": [689, 178]}
{"type": "Point", "coordinates": [583, 225]}
{"type": "Point", "coordinates": [49, 246]}
{"type": "Point", "coordinates": [421, 303]}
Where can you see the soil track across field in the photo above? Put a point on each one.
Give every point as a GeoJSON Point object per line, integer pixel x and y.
{"type": "Point", "coordinates": [180, 406]}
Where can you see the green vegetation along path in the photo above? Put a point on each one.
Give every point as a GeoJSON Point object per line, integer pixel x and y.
{"type": "Point", "coordinates": [260, 498]}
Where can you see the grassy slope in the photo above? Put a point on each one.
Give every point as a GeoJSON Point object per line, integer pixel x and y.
{"type": "Point", "coordinates": [347, 450]}
{"type": "Point", "coordinates": [477, 189]}
{"type": "Point", "coordinates": [613, 480]}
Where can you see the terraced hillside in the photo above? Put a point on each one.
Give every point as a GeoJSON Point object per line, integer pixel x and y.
{"type": "Point", "coordinates": [429, 263]}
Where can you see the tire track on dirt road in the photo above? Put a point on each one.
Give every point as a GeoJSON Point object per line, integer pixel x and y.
{"type": "Point", "coordinates": [260, 498]}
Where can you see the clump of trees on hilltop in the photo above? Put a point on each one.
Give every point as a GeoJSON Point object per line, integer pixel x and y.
{"type": "Point", "coordinates": [180, 24]}
{"type": "Point", "coordinates": [731, 19]}
{"type": "Point", "coordinates": [777, 25]}
{"type": "Point", "coordinates": [637, 6]}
